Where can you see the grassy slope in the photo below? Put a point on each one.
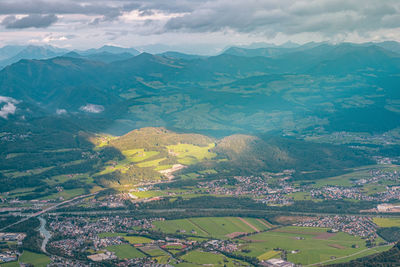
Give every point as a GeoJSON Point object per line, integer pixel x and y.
{"type": "Point", "coordinates": [149, 150]}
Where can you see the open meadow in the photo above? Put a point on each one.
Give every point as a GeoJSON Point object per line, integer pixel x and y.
{"type": "Point", "coordinates": [201, 258]}
{"type": "Point", "coordinates": [304, 245]}
{"type": "Point", "coordinates": [387, 222]}
{"type": "Point", "coordinates": [125, 251]}
{"type": "Point", "coordinates": [37, 260]}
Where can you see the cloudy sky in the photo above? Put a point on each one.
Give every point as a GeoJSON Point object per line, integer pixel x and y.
{"type": "Point", "coordinates": [195, 23]}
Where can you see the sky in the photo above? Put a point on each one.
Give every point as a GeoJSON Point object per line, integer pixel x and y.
{"type": "Point", "coordinates": [197, 25]}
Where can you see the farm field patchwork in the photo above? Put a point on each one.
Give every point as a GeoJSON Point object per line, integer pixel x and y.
{"type": "Point", "coordinates": [222, 227]}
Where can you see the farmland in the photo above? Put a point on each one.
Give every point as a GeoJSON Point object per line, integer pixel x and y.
{"type": "Point", "coordinates": [198, 257]}
{"type": "Point", "coordinates": [222, 227]}
{"type": "Point", "coordinates": [303, 245]}
{"type": "Point", "coordinates": [387, 222]}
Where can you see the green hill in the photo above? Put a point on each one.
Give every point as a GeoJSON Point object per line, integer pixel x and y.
{"type": "Point", "coordinates": [252, 155]}
{"type": "Point", "coordinates": [150, 154]}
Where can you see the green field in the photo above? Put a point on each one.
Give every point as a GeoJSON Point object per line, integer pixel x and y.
{"type": "Point", "coordinates": [269, 255]}
{"type": "Point", "coordinates": [186, 154]}
{"type": "Point", "coordinates": [156, 252]}
{"type": "Point", "coordinates": [64, 178]}
{"type": "Point", "coordinates": [198, 257]}
{"type": "Point", "coordinates": [151, 163]}
{"type": "Point", "coordinates": [10, 264]}
{"type": "Point", "coordinates": [190, 154]}
{"type": "Point", "coordinates": [300, 196]}
{"type": "Point", "coordinates": [162, 259]}
{"type": "Point", "coordinates": [355, 174]}
{"type": "Point", "coordinates": [137, 155]}
{"type": "Point", "coordinates": [309, 245]}
{"type": "Point", "coordinates": [103, 235]}
{"type": "Point", "coordinates": [37, 260]}
{"type": "Point", "coordinates": [387, 222]}
{"type": "Point", "coordinates": [67, 194]}
{"type": "Point", "coordinates": [137, 239]}
{"type": "Point", "coordinates": [363, 253]}
{"type": "Point", "coordinates": [148, 194]}
{"type": "Point", "coordinates": [125, 251]}
{"type": "Point", "coordinates": [212, 226]}
{"type": "Point", "coordinates": [342, 180]}
{"type": "Point", "coordinates": [372, 189]}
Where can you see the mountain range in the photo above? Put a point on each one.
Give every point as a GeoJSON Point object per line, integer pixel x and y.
{"type": "Point", "coordinates": [319, 86]}
{"type": "Point", "coordinates": [273, 101]}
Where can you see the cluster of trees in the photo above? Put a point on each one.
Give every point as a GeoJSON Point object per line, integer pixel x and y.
{"type": "Point", "coordinates": [390, 234]}
{"type": "Point", "coordinates": [33, 240]}
{"type": "Point", "coordinates": [83, 161]}
{"type": "Point", "coordinates": [240, 203]}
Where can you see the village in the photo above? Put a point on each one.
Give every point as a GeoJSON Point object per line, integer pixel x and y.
{"type": "Point", "coordinates": [353, 225]}
{"type": "Point", "coordinates": [11, 254]}
{"type": "Point", "coordinates": [74, 235]}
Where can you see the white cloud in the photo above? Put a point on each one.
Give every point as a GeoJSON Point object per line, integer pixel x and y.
{"type": "Point", "coordinates": [9, 106]}
{"type": "Point", "coordinates": [61, 111]}
{"type": "Point", "coordinates": [92, 108]}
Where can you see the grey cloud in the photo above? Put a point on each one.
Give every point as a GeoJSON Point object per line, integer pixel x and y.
{"type": "Point", "coordinates": [327, 17]}
{"type": "Point", "coordinates": [104, 8]}
{"type": "Point", "coordinates": [33, 20]}
{"type": "Point", "coordinates": [177, 6]}
{"type": "Point", "coordinates": [270, 17]}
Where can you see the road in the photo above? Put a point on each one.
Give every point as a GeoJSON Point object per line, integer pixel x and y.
{"type": "Point", "coordinates": [47, 210]}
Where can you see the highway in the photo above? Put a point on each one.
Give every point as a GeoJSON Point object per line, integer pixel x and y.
{"type": "Point", "coordinates": [47, 210]}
